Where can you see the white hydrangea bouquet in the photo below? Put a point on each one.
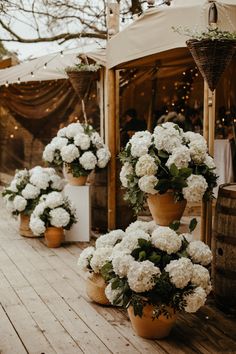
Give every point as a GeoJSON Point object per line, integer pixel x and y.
{"type": "Point", "coordinates": [53, 210]}
{"type": "Point", "coordinates": [154, 265]}
{"type": "Point", "coordinates": [27, 186]}
{"type": "Point", "coordinates": [79, 147]}
{"type": "Point", "coordinates": [168, 159]}
{"type": "Point", "coordinates": [92, 260]}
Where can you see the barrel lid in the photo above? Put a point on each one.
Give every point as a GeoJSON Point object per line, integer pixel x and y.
{"type": "Point", "coordinates": [227, 190]}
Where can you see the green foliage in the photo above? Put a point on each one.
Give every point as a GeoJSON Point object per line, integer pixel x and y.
{"type": "Point", "coordinates": [83, 67]}
{"type": "Point", "coordinates": [213, 34]}
{"type": "Point", "coordinates": [175, 225]}
{"type": "Point", "coordinates": [192, 224]}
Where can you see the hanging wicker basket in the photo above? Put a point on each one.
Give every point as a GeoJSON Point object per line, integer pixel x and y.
{"type": "Point", "coordinates": [212, 57]}
{"type": "Point", "coordinates": [81, 80]}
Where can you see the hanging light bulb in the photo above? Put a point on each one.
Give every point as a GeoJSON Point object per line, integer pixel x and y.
{"type": "Point", "coordinates": [45, 66]}
{"type": "Point", "coordinates": [151, 3]}
{"type": "Point", "coordinates": [18, 80]}
{"type": "Point", "coordinates": [32, 74]}
{"type": "Point", "coordinates": [6, 84]}
{"type": "Point", "coordinates": [61, 53]}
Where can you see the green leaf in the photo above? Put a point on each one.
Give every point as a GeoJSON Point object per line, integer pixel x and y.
{"type": "Point", "coordinates": [163, 154]}
{"type": "Point", "coordinates": [175, 225]}
{"type": "Point", "coordinates": [142, 256]}
{"type": "Point", "coordinates": [174, 170]}
{"type": "Point", "coordinates": [185, 172]}
{"type": "Point", "coordinates": [115, 283]}
{"type": "Point", "coordinates": [154, 258]}
{"type": "Point", "coordinates": [192, 224]}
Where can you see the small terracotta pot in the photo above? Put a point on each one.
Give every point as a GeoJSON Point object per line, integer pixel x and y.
{"type": "Point", "coordinates": [74, 181]}
{"type": "Point", "coordinates": [24, 228]}
{"type": "Point", "coordinates": [96, 289]}
{"type": "Point", "coordinates": [147, 327]}
{"type": "Point", "coordinates": [164, 208]}
{"type": "Point", "coordinates": [54, 236]}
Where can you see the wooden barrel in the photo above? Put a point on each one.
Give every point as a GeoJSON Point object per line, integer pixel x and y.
{"type": "Point", "coordinates": [124, 213]}
{"type": "Point", "coordinates": [224, 248]}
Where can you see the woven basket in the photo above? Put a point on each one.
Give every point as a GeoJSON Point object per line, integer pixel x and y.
{"type": "Point", "coordinates": [81, 80]}
{"type": "Point", "coordinates": [211, 57]}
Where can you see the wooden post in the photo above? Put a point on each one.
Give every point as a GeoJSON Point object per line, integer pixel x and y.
{"type": "Point", "coordinates": [111, 112]}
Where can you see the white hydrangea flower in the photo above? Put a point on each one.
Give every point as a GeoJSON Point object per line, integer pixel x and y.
{"type": "Point", "coordinates": [48, 153]}
{"type": "Point", "coordinates": [198, 150]}
{"type": "Point", "coordinates": [147, 184]}
{"type": "Point", "coordinates": [85, 255]}
{"type": "Point", "coordinates": [126, 170]}
{"type": "Point", "coordinates": [152, 226]}
{"type": "Point", "coordinates": [88, 160]}
{"type": "Point", "coordinates": [138, 149]}
{"type": "Point", "coordinates": [199, 252]}
{"type": "Point", "coordinates": [191, 136]}
{"type": "Point", "coordinates": [103, 156]}
{"type": "Point", "coordinates": [21, 176]}
{"type": "Point", "coordinates": [141, 276]}
{"type": "Point", "coordinates": [113, 294]}
{"type": "Point", "coordinates": [96, 140]}
{"type": "Point", "coordinates": [110, 239]}
{"type": "Point", "coordinates": [100, 257]}
{"type": "Point", "coordinates": [50, 171]}
{"type": "Point", "coordinates": [13, 186]}
{"type": "Point", "coordinates": [19, 203]}
{"type": "Point", "coordinates": [146, 166]}
{"type": "Point", "coordinates": [209, 162]}
{"type": "Point", "coordinates": [195, 300]}
{"type": "Point", "coordinates": [30, 191]}
{"type": "Point", "coordinates": [167, 137]}
{"type": "Point", "coordinates": [130, 241]}
{"type": "Point", "coordinates": [196, 187]}
{"type": "Point", "coordinates": [57, 182]}
{"type": "Point", "coordinates": [121, 263]}
{"type": "Point", "coordinates": [144, 137]}
{"type": "Point", "coordinates": [138, 225]}
{"type": "Point", "coordinates": [180, 272]}
{"type": "Point", "coordinates": [166, 239]}
{"type": "Point", "coordinates": [54, 199]}
{"type": "Point", "coordinates": [62, 132]}
{"type": "Point", "coordinates": [39, 209]}
{"type": "Point", "coordinates": [40, 179]}
{"type": "Point", "coordinates": [201, 277]}
{"type": "Point", "coordinates": [69, 153]}
{"type": "Point", "coordinates": [180, 157]}
{"type": "Point", "coordinates": [82, 140]}
{"type": "Point", "coordinates": [59, 217]}
{"type": "Point", "coordinates": [10, 206]}
{"type": "Point", "coordinates": [73, 129]}
{"type": "Point", "coordinates": [37, 225]}
{"type": "Point", "coordinates": [58, 143]}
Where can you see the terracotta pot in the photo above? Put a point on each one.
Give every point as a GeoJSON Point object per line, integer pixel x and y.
{"type": "Point", "coordinates": [96, 289]}
{"type": "Point", "coordinates": [164, 209]}
{"type": "Point", "coordinates": [54, 236]}
{"type": "Point", "coordinates": [74, 181]}
{"type": "Point", "coordinates": [24, 228]}
{"type": "Point", "coordinates": [147, 327]}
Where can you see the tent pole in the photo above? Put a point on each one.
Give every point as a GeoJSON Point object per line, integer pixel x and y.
{"type": "Point", "coordinates": [206, 136]}
{"type": "Point", "coordinates": [111, 134]}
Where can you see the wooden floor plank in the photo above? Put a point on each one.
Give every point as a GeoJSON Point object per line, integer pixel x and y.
{"type": "Point", "coordinates": [9, 339]}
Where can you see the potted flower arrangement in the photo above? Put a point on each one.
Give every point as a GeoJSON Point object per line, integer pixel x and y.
{"type": "Point", "coordinates": [168, 168]}
{"type": "Point", "coordinates": [80, 148]}
{"type": "Point", "coordinates": [91, 261]}
{"type": "Point", "coordinates": [25, 190]}
{"type": "Point", "coordinates": [81, 75]}
{"type": "Point", "coordinates": [212, 50]}
{"type": "Point", "coordinates": [51, 216]}
{"type": "Point", "coordinates": [157, 273]}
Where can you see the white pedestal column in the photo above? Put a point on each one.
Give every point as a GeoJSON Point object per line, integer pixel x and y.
{"type": "Point", "coordinates": [80, 197]}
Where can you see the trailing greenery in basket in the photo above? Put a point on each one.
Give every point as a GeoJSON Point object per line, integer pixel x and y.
{"type": "Point", "coordinates": [83, 67]}
{"type": "Point", "coordinates": [213, 34]}
{"type": "Point", "coordinates": [154, 265]}
{"type": "Point", "coordinates": [79, 147]}
{"type": "Point", "coordinates": [168, 159]}
{"type": "Point", "coordinates": [27, 186]}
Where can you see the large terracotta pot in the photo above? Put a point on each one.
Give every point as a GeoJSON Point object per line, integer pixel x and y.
{"type": "Point", "coordinates": [96, 289]}
{"type": "Point", "coordinates": [54, 236]}
{"type": "Point", "coordinates": [24, 228]}
{"type": "Point", "coordinates": [147, 327]}
{"type": "Point", "coordinates": [74, 181]}
{"type": "Point", "coordinates": [164, 208]}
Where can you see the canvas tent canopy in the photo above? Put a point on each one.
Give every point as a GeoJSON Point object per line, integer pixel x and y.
{"type": "Point", "coordinates": [151, 37]}
{"type": "Point", "coordinates": [48, 67]}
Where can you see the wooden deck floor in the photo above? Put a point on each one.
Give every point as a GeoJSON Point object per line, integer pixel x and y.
{"type": "Point", "coordinates": [44, 309]}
